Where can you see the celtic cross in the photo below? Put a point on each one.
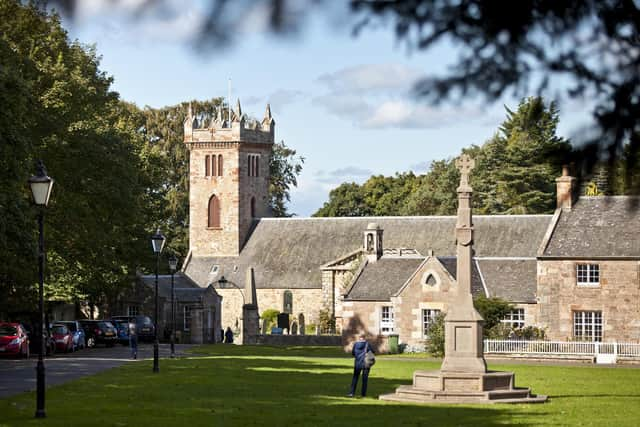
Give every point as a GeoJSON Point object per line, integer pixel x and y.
{"type": "Point", "coordinates": [465, 164]}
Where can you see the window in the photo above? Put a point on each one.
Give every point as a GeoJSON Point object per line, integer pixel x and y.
{"type": "Point", "coordinates": [431, 281]}
{"type": "Point", "coordinates": [214, 212]}
{"type": "Point", "coordinates": [214, 171]}
{"type": "Point", "coordinates": [220, 165]}
{"type": "Point", "coordinates": [207, 170]}
{"type": "Point", "coordinates": [386, 320]}
{"type": "Point", "coordinates": [252, 165]}
{"type": "Point", "coordinates": [132, 310]}
{"type": "Point", "coordinates": [587, 325]}
{"type": "Point", "coordinates": [253, 207]}
{"type": "Point", "coordinates": [187, 317]}
{"type": "Point", "coordinates": [515, 318]}
{"type": "Point", "coordinates": [428, 318]}
{"type": "Point", "coordinates": [287, 303]}
{"type": "Point", "coordinates": [588, 274]}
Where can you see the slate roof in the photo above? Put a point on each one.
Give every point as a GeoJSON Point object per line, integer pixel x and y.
{"type": "Point", "coordinates": [597, 227]}
{"type": "Point", "coordinates": [513, 280]}
{"type": "Point", "coordinates": [381, 279]}
{"type": "Point", "coordinates": [450, 264]}
{"type": "Point", "coordinates": [185, 288]}
{"type": "Point", "coordinates": [286, 253]}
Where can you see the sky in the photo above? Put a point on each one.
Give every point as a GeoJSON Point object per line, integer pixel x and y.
{"type": "Point", "coordinates": [344, 103]}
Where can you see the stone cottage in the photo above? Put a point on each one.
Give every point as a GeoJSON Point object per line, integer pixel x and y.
{"type": "Point", "coordinates": [564, 272]}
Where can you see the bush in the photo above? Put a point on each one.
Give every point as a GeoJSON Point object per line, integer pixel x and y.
{"type": "Point", "coordinates": [435, 341]}
{"type": "Point", "coordinates": [270, 319]}
{"type": "Point", "coordinates": [327, 322]}
{"type": "Point", "coordinates": [493, 310]}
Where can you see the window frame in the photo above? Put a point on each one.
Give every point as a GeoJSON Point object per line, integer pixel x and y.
{"type": "Point", "coordinates": [515, 319]}
{"type": "Point", "coordinates": [214, 213]}
{"type": "Point", "coordinates": [186, 318]}
{"type": "Point", "coordinates": [588, 325]}
{"type": "Point", "coordinates": [588, 275]}
{"type": "Point", "coordinates": [387, 320]}
{"type": "Point", "coordinates": [133, 310]}
{"type": "Point", "coordinates": [429, 316]}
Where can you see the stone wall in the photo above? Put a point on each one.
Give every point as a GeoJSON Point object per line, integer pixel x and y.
{"type": "Point", "coordinates": [305, 301]}
{"type": "Point", "coordinates": [617, 297]}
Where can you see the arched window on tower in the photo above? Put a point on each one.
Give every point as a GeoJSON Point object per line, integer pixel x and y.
{"type": "Point", "coordinates": [220, 165]}
{"type": "Point", "coordinates": [257, 171]}
{"type": "Point", "coordinates": [214, 212]}
{"type": "Point", "coordinates": [253, 207]}
{"type": "Point", "coordinates": [214, 172]}
{"type": "Point", "coordinates": [207, 171]}
{"type": "Point", "coordinates": [287, 303]}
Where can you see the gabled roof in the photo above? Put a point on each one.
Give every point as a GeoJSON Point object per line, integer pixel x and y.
{"type": "Point", "coordinates": [382, 279]}
{"type": "Point", "coordinates": [185, 288]}
{"type": "Point", "coordinates": [597, 227]}
{"type": "Point", "coordinates": [513, 280]}
{"type": "Point", "coordinates": [287, 253]}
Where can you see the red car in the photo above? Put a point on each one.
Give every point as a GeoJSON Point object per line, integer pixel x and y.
{"type": "Point", "coordinates": [62, 337]}
{"type": "Point", "coordinates": [13, 340]}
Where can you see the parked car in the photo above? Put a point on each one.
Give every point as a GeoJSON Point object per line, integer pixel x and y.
{"type": "Point", "coordinates": [122, 326]}
{"type": "Point", "coordinates": [34, 342]}
{"type": "Point", "coordinates": [76, 330]}
{"type": "Point", "coordinates": [144, 326]}
{"type": "Point", "coordinates": [99, 332]}
{"type": "Point", "coordinates": [13, 340]}
{"type": "Point", "coordinates": [62, 337]}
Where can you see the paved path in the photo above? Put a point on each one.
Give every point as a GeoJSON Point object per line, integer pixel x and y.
{"type": "Point", "coordinates": [17, 375]}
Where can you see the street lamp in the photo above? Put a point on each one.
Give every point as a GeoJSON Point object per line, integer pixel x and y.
{"type": "Point", "coordinates": [173, 264]}
{"type": "Point", "coordinates": [41, 185]}
{"type": "Point", "coordinates": [222, 283]}
{"type": "Point", "coordinates": [157, 242]}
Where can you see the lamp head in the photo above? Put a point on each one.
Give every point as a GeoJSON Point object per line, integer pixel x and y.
{"type": "Point", "coordinates": [157, 241]}
{"type": "Point", "coordinates": [41, 185]}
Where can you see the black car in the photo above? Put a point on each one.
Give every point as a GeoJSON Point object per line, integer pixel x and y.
{"type": "Point", "coordinates": [99, 332]}
{"type": "Point", "coordinates": [144, 326]}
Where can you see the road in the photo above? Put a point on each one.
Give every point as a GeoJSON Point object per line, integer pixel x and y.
{"type": "Point", "coordinates": [17, 375]}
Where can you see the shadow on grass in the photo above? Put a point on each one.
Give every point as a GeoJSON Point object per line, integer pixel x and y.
{"type": "Point", "coordinates": [245, 390]}
{"type": "Point", "coordinates": [263, 350]}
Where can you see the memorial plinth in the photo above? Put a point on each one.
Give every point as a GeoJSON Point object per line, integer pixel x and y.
{"type": "Point", "coordinates": [463, 376]}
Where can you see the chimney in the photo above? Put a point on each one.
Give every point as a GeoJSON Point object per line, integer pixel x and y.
{"type": "Point", "coordinates": [373, 242]}
{"type": "Point", "coordinates": [564, 189]}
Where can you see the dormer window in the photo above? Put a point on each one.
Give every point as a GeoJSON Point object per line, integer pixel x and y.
{"type": "Point", "coordinates": [588, 274]}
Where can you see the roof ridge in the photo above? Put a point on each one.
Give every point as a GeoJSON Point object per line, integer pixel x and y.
{"type": "Point", "coordinates": [325, 218]}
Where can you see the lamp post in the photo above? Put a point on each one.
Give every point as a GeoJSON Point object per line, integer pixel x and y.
{"type": "Point", "coordinates": [41, 185]}
{"type": "Point", "coordinates": [173, 264]}
{"type": "Point", "coordinates": [157, 242]}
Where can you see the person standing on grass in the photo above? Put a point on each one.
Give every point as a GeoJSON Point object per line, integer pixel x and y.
{"type": "Point", "coordinates": [228, 336]}
{"type": "Point", "coordinates": [133, 340]}
{"type": "Point", "coordinates": [359, 352]}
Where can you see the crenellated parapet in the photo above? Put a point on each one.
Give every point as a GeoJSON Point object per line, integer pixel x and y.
{"type": "Point", "coordinates": [221, 131]}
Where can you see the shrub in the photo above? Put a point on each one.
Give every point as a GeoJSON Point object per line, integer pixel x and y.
{"type": "Point", "coordinates": [493, 310]}
{"type": "Point", "coordinates": [435, 340]}
{"type": "Point", "coordinates": [270, 319]}
{"type": "Point", "coordinates": [327, 321]}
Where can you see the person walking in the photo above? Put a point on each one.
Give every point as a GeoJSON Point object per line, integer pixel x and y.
{"type": "Point", "coordinates": [133, 340]}
{"type": "Point", "coordinates": [359, 352]}
{"type": "Point", "coordinates": [228, 336]}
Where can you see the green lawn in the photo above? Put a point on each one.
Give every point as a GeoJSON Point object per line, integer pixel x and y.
{"type": "Point", "coordinates": [255, 386]}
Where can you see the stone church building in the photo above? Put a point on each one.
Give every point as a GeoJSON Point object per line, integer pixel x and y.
{"type": "Point", "coordinates": [575, 273]}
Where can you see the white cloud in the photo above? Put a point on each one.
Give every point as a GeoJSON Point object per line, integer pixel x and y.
{"type": "Point", "coordinates": [373, 78]}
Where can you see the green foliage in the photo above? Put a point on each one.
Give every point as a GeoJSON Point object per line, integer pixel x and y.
{"type": "Point", "coordinates": [515, 174]}
{"type": "Point", "coordinates": [435, 340]}
{"type": "Point", "coordinates": [284, 169]}
{"type": "Point", "coordinates": [326, 321]}
{"type": "Point", "coordinates": [57, 106]}
{"type": "Point", "coordinates": [493, 310]}
{"type": "Point", "coordinates": [270, 318]}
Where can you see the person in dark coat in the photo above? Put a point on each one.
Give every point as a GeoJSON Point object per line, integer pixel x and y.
{"type": "Point", "coordinates": [228, 336]}
{"type": "Point", "coordinates": [359, 352]}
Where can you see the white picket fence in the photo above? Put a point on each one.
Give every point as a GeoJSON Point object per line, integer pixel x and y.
{"type": "Point", "coordinates": [603, 352]}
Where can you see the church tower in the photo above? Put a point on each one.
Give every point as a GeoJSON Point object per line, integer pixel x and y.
{"type": "Point", "coordinates": [228, 180]}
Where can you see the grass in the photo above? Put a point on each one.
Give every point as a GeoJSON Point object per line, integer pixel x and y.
{"type": "Point", "coordinates": [300, 386]}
